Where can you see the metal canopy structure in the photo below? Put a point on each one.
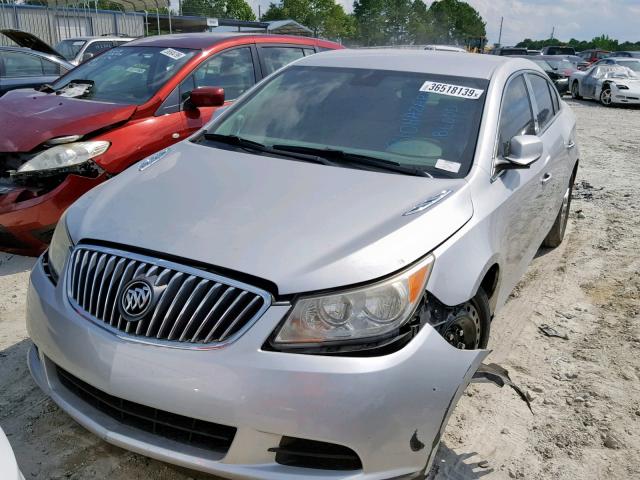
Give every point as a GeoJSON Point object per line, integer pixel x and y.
{"type": "Point", "coordinates": [146, 6]}
{"type": "Point", "coordinates": [288, 27]}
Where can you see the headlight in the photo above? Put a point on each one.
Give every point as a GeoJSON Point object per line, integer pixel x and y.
{"type": "Point", "coordinates": [357, 313]}
{"type": "Point", "coordinates": [66, 155]}
{"type": "Point", "coordinates": [60, 247]}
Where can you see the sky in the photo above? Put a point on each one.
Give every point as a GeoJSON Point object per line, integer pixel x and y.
{"type": "Point", "coordinates": [581, 19]}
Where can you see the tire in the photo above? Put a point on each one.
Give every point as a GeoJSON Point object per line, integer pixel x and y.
{"type": "Point", "coordinates": [469, 325]}
{"type": "Point", "coordinates": [556, 234]}
{"type": "Point", "coordinates": [575, 91]}
{"type": "Point", "coordinates": [605, 96]}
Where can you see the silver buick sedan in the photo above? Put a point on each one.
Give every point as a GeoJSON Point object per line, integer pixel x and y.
{"type": "Point", "coordinates": [305, 288]}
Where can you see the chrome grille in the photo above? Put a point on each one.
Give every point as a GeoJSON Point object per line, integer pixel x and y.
{"type": "Point", "coordinates": [191, 306]}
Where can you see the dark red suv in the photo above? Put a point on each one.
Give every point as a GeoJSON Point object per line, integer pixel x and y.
{"type": "Point", "coordinates": [114, 110]}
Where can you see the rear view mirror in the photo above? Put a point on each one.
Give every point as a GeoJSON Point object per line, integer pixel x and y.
{"type": "Point", "coordinates": [207, 97]}
{"type": "Point", "coordinates": [87, 56]}
{"type": "Point", "coordinates": [523, 151]}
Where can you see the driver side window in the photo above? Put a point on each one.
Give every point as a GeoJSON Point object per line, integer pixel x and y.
{"type": "Point", "coordinates": [232, 70]}
{"type": "Point", "coordinates": [516, 116]}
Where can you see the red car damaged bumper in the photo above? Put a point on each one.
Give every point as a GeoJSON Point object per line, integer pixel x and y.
{"type": "Point", "coordinates": [27, 222]}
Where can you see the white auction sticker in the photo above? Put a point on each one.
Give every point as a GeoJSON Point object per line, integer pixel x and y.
{"type": "Point", "coordinates": [136, 70]}
{"type": "Point", "coordinates": [451, 90]}
{"type": "Point", "coordinates": [171, 53]}
{"type": "Point", "coordinates": [448, 165]}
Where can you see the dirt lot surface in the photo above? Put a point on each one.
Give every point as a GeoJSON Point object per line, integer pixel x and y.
{"type": "Point", "coordinates": [585, 390]}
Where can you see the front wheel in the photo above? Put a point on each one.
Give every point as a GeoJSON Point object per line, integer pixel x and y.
{"type": "Point", "coordinates": [556, 234]}
{"type": "Point", "coordinates": [575, 91]}
{"type": "Point", "coordinates": [468, 326]}
{"type": "Point", "coordinates": [605, 96]}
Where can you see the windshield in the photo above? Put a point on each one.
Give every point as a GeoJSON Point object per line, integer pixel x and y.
{"type": "Point", "coordinates": [561, 51]}
{"type": "Point", "coordinates": [560, 64]}
{"type": "Point", "coordinates": [69, 48]}
{"type": "Point", "coordinates": [429, 122]}
{"type": "Point", "coordinates": [543, 64]}
{"type": "Point", "coordinates": [130, 75]}
{"type": "Point", "coordinates": [631, 64]}
{"type": "Point", "coordinates": [613, 71]}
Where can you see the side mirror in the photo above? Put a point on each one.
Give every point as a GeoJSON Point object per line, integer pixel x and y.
{"type": "Point", "coordinates": [86, 56]}
{"type": "Point", "coordinates": [207, 97]}
{"type": "Point", "coordinates": [523, 151]}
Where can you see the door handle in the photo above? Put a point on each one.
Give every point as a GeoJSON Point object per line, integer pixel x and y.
{"type": "Point", "coordinates": [570, 144]}
{"type": "Point", "coordinates": [546, 177]}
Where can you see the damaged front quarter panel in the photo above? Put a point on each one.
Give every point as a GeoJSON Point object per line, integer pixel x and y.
{"type": "Point", "coordinates": [477, 372]}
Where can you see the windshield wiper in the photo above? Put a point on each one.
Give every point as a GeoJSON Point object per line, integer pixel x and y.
{"type": "Point", "coordinates": [45, 87]}
{"type": "Point", "coordinates": [355, 158]}
{"type": "Point", "coordinates": [247, 144]}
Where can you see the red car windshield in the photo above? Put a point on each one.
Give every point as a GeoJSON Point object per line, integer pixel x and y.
{"type": "Point", "coordinates": [130, 75]}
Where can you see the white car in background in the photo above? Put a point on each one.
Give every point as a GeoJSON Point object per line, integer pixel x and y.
{"type": "Point", "coordinates": [80, 49]}
{"type": "Point", "coordinates": [8, 467]}
{"type": "Point", "coordinates": [611, 84]}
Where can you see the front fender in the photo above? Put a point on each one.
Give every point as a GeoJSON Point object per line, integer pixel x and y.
{"type": "Point", "coordinates": [460, 265]}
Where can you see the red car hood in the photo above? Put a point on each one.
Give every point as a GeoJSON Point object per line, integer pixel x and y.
{"type": "Point", "coordinates": [30, 118]}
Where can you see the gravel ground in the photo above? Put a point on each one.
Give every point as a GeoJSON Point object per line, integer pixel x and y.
{"type": "Point", "coordinates": [585, 390]}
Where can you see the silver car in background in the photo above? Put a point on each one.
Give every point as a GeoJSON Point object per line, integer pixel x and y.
{"type": "Point", "coordinates": [304, 289]}
{"type": "Point", "coordinates": [611, 81]}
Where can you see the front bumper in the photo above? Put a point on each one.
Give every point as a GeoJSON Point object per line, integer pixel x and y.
{"type": "Point", "coordinates": [374, 406]}
{"type": "Point", "coordinates": [626, 97]}
{"type": "Point", "coordinates": [26, 225]}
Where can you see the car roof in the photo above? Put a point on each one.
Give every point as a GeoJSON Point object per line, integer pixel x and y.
{"type": "Point", "coordinates": [206, 39]}
{"type": "Point", "coordinates": [104, 37]}
{"type": "Point", "coordinates": [48, 56]}
{"type": "Point", "coordinates": [419, 61]}
{"type": "Point", "coordinates": [553, 57]}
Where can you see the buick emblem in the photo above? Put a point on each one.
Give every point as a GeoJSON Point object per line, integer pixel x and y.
{"type": "Point", "coordinates": [136, 300]}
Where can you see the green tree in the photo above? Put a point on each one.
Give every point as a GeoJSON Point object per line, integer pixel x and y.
{"type": "Point", "coordinates": [455, 20]}
{"type": "Point", "coordinates": [369, 16]}
{"type": "Point", "coordinates": [602, 42]}
{"type": "Point", "coordinates": [237, 9]}
{"type": "Point", "coordinates": [324, 17]}
{"type": "Point", "coordinates": [420, 26]}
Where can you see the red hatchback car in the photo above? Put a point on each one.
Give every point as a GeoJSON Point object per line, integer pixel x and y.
{"type": "Point", "coordinates": [114, 110]}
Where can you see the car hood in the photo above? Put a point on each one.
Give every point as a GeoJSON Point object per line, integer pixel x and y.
{"type": "Point", "coordinates": [299, 225]}
{"type": "Point", "coordinates": [634, 85]}
{"type": "Point", "coordinates": [30, 118]}
{"type": "Point", "coordinates": [28, 40]}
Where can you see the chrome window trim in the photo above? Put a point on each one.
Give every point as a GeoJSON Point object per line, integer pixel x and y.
{"type": "Point", "coordinates": [178, 267]}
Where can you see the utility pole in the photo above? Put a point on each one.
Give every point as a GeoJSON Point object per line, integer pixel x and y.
{"type": "Point", "coordinates": [500, 35]}
{"type": "Point", "coordinates": [553, 30]}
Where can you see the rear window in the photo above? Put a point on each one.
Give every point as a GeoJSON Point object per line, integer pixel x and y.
{"type": "Point", "coordinates": [69, 48]}
{"type": "Point", "coordinates": [419, 120]}
{"type": "Point", "coordinates": [561, 51]}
